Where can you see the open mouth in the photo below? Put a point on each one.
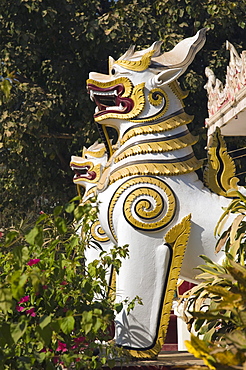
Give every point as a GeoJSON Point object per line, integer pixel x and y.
{"type": "Point", "coordinates": [82, 172]}
{"type": "Point", "coordinates": [109, 100]}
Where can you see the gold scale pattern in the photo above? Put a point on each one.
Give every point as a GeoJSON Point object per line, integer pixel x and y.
{"type": "Point", "coordinates": [166, 169]}
{"type": "Point", "coordinates": [157, 146]}
{"type": "Point", "coordinates": [157, 169]}
{"type": "Point", "coordinates": [169, 123]}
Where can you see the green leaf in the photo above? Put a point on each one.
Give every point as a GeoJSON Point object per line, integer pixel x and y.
{"type": "Point", "coordinates": [6, 300]}
{"type": "Point", "coordinates": [209, 333]}
{"type": "Point", "coordinates": [18, 330]}
{"type": "Point", "coordinates": [98, 323]}
{"type": "Point", "coordinates": [17, 281]}
{"type": "Point", "coordinates": [36, 279]}
{"type": "Point", "coordinates": [242, 197]}
{"type": "Point", "coordinates": [226, 357]}
{"type": "Point", "coordinates": [35, 236]}
{"type": "Point", "coordinates": [49, 365]}
{"type": "Point", "coordinates": [220, 291]}
{"type": "Point", "coordinates": [40, 356]}
{"type": "Point", "coordinates": [44, 321]}
{"type": "Point", "coordinates": [5, 337]}
{"type": "Point", "coordinates": [45, 334]}
{"type": "Point", "coordinates": [242, 315]}
{"type": "Point", "coordinates": [41, 218]}
{"type": "Point", "coordinates": [10, 236]}
{"type": "Point", "coordinates": [118, 307]}
{"type": "Point", "coordinates": [208, 316]}
{"type": "Point", "coordinates": [79, 212]}
{"type": "Point", "coordinates": [67, 324]}
{"type": "Point", "coordinates": [198, 324]}
{"type": "Point", "coordinates": [21, 254]}
{"type": "Point", "coordinates": [87, 321]}
{"type": "Point", "coordinates": [196, 346]}
{"type": "Point", "coordinates": [238, 338]}
{"type": "Point", "coordinates": [58, 210]}
{"type": "Point", "coordinates": [87, 327]}
{"type": "Point", "coordinates": [69, 208]}
{"type": "Point", "coordinates": [210, 270]}
{"type": "Point", "coordinates": [60, 223]}
{"type": "Point", "coordinates": [74, 241]}
{"type": "Point", "coordinates": [6, 87]}
{"type": "Point", "coordinates": [235, 246]}
{"type": "Point", "coordinates": [206, 259]}
{"type": "Point", "coordinates": [237, 271]}
{"type": "Point", "coordinates": [55, 325]}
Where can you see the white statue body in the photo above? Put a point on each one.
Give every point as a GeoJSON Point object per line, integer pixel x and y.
{"type": "Point", "coordinates": [149, 192]}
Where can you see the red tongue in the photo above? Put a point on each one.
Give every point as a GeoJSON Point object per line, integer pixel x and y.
{"type": "Point", "coordinates": [101, 107]}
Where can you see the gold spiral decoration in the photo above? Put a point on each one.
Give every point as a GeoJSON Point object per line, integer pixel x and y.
{"type": "Point", "coordinates": [98, 233]}
{"type": "Point", "coordinates": [147, 211]}
{"type": "Point", "coordinates": [143, 207]}
{"type": "Point", "coordinates": [150, 206]}
{"type": "Point", "coordinates": [156, 97]}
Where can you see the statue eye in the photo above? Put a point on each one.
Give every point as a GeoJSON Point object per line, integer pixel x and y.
{"type": "Point", "coordinates": [113, 71]}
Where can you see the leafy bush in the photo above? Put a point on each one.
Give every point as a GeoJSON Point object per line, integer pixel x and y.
{"type": "Point", "coordinates": [218, 304]}
{"type": "Point", "coordinates": [54, 310]}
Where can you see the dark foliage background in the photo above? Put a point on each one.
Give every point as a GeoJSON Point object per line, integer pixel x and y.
{"type": "Point", "coordinates": [47, 49]}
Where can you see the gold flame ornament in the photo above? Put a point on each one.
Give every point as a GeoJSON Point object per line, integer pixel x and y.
{"type": "Point", "coordinates": [136, 65]}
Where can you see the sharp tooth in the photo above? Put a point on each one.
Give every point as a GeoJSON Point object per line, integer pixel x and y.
{"type": "Point", "coordinates": [96, 110]}
{"type": "Point", "coordinates": [91, 95]}
{"type": "Point", "coordinates": [115, 93]}
{"type": "Point", "coordinates": [105, 93]}
{"type": "Point", "coordinates": [119, 107]}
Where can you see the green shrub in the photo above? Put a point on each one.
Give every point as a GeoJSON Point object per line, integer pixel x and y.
{"type": "Point", "coordinates": [54, 310]}
{"type": "Point", "coordinates": [218, 304]}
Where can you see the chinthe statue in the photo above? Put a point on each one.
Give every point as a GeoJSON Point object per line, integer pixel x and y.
{"type": "Point", "coordinates": [149, 195]}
